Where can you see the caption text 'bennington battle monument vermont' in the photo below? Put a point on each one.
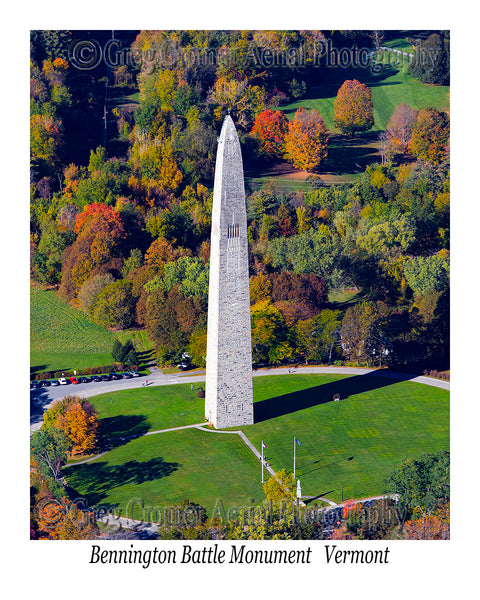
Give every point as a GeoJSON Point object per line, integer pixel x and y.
{"type": "Point", "coordinates": [228, 391]}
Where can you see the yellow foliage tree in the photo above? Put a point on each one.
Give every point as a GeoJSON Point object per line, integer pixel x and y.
{"type": "Point", "coordinates": [306, 140]}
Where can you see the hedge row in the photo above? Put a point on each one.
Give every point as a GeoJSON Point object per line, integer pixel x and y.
{"type": "Point", "coordinates": [116, 367]}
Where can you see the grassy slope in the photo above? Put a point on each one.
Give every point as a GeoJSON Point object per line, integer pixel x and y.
{"type": "Point", "coordinates": [378, 423]}
{"type": "Point", "coordinates": [62, 338]}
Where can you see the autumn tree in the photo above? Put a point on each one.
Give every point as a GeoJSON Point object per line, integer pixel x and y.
{"type": "Point", "coordinates": [171, 318]}
{"type": "Point", "coordinates": [353, 108]}
{"type": "Point", "coordinates": [306, 140]}
{"type": "Point", "coordinates": [245, 101]}
{"type": "Point", "coordinates": [400, 125]}
{"type": "Point", "coordinates": [308, 288]}
{"type": "Point", "coordinates": [435, 526]}
{"type": "Point", "coordinates": [114, 306]}
{"type": "Point", "coordinates": [386, 147]}
{"type": "Point", "coordinates": [77, 418]}
{"type": "Point", "coordinates": [161, 251]}
{"type": "Point", "coordinates": [430, 135]}
{"type": "Point", "coordinates": [100, 234]}
{"type": "Point", "coordinates": [269, 130]}
{"type": "Point", "coordinates": [260, 288]}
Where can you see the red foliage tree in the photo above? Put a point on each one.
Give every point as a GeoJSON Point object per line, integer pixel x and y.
{"type": "Point", "coordinates": [269, 129]}
{"type": "Point", "coordinates": [100, 233]}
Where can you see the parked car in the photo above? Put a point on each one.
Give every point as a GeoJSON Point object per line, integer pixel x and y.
{"type": "Point", "coordinates": [114, 375]}
{"type": "Point", "coordinates": [73, 380]}
{"type": "Point", "coordinates": [105, 378]}
{"type": "Point", "coordinates": [134, 373]}
{"type": "Point", "coordinates": [44, 383]}
{"type": "Point", "coordinates": [126, 375]}
{"type": "Point", "coordinates": [62, 381]}
{"type": "Point", "coordinates": [183, 366]}
{"type": "Point", "coordinates": [55, 382]}
{"type": "Point", "coordinates": [84, 380]}
{"type": "Point", "coordinates": [34, 384]}
{"type": "Point", "coordinates": [96, 378]}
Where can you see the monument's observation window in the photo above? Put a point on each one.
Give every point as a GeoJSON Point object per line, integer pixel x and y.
{"type": "Point", "coordinates": [233, 231]}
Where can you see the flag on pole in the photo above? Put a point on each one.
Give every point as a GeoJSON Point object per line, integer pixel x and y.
{"type": "Point", "coordinates": [264, 445]}
{"type": "Point", "coordinates": [297, 442]}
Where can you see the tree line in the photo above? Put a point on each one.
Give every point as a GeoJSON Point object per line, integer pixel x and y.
{"type": "Point", "coordinates": [126, 239]}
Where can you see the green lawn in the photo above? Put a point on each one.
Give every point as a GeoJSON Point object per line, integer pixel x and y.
{"type": "Point", "coordinates": [63, 338]}
{"type": "Point", "coordinates": [165, 468]}
{"type": "Point", "coordinates": [352, 444]}
{"type": "Point", "coordinates": [389, 88]}
{"type": "Point", "coordinates": [149, 409]}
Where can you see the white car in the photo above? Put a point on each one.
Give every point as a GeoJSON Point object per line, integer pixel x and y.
{"type": "Point", "coordinates": [62, 381]}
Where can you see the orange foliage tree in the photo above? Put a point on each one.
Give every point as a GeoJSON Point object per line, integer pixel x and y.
{"type": "Point", "coordinates": [306, 140]}
{"type": "Point", "coordinates": [435, 526]}
{"type": "Point", "coordinates": [430, 135]}
{"type": "Point", "coordinates": [269, 130]}
{"type": "Point", "coordinates": [77, 418]}
{"type": "Point", "coordinates": [100, 233]}
{"type": "Point", "coordinates": [353, 108]}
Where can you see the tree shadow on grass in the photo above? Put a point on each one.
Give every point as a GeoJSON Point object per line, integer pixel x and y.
{"type": "Point", "coordinates": [97, 479]}
{"type": "Point", "coordinates": [116, 431]}
{"type": "Point", "coordinates": [320, 394]}
{"type": "Point", "coordinates": [37, 369]}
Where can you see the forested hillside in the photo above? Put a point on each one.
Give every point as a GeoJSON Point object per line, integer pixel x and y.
{"type": "Point", "coordinates": [122, 164]}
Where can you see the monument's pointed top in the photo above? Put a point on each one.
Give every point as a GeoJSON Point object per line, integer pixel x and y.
{"type": "Point", "coordinates": [229, 130]}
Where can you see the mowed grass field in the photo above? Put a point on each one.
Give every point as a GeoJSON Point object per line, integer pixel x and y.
{"type": "Point", "coordinates": [352, 444]}
{"type": "Point", "coordinates": [63, 338]}
{"type": "Point", "coordinates": [389, 88]}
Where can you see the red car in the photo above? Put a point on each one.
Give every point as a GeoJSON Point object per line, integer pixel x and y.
{"type": "Point", "coordinates": [73, 380]}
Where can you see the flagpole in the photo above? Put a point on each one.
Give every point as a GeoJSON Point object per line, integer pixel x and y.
{"type": "Point", "coordinates": [262, 462]}
{"type": "Point", "coordinates": [294, 456]}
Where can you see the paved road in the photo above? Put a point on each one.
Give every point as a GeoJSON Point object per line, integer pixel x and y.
{"type": "Point", "coordinates": [41, 399]}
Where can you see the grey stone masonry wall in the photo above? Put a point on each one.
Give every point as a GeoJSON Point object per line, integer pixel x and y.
{"type": "Point", "coordinates": [228, 389]}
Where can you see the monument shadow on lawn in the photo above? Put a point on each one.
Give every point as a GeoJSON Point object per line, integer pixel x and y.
{"type": "Point", "coordinates": [320, 394]}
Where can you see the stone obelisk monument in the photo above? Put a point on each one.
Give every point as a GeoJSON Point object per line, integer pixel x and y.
{"type": "Point", "coordinates": [228, 391]}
